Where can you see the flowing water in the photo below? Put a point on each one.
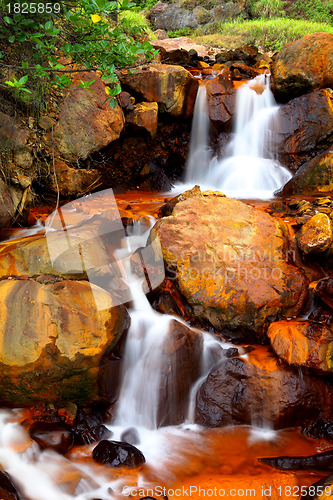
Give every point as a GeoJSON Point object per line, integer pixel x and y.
{"type": "Point", "coordinates": [249, 168]}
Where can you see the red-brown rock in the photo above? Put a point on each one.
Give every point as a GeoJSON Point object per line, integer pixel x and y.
{"type": "Point", "coordinates": [144, 116]}
{"type": "Point", "coordinates": [172, 87]}
{"type": "Point", "coordinates": [257, 390]}
{"type": "Point", "coordinates": [221, 98]}
{"type": "Point", "coordinates": [303, 66]}
{"type": "Point", "coordinates": [71, 181]}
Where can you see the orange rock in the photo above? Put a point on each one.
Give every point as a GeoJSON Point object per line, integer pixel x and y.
{"type": "Point", "coordinates": [144, 115]}
{"type": "Point", "coordinates": [303, 343]}
{"type": "Point", "coordinates": [229, 262]}
{"type": "Point", "coordinates": [315, 235]}
{"type": "Point", "coordinates": [171, 86]}
{"type": "Point", "coordinates": [54, 339]}
{"type": "Point", "coordinates": [304, 65]}
{"type": "Point", "coordinates": [71, 181]}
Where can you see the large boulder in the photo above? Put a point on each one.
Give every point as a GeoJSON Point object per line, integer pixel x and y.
{"type": "Point", "coordinates": [172, 17]}
{"type": "Point", "coordinates": [314, 177]}
{"type": "Point", "coordinates": [172, 87]}
{"type": "Point", "coordinates": [144, 115]}
{"type": "Point", "coordinates": [228, 260]}
{"type": "Point", "coordinates": [303, 343]}
{"type": "Point", "coordinates": [56, 338]}
{"type": "Point", "coordinates": [304, 122]}
{"type": "Point", "coordinates": [86, 122]}
{"type": "Point", "coordinates": [258, 391]}
{"type": "Point", "coordinates": [303, 66]}
{"type": "Point", "coordinates": [315, 236]}
{"type": "Point", "coordinates": [69, 181]}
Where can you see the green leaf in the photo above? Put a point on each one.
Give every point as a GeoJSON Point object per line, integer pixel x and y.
{"type": "Point", "coordinates": [11, 39]}
{"type": "Point", "coordinates": [8, 20]}
{"type": "Point", "coordinates": [26, 90]}
{"type": "Point", "coordinates": [48, 25]}
{"type": "Point", "coordinates": [25, 64]}
{"type": "Point", "coordinates": [113, 103]}
{"type": "Point", "coordinates": [23, 80]}
{"type": "Point", "coordinates": [11, 84]}
{"type": "Point", "coordinates": [22, 37]}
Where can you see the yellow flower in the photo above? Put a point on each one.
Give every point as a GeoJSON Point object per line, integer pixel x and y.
{"type": "Point", "coordinates": [107, 90]}
{"type": "Point", "coordinates": [95, 18]}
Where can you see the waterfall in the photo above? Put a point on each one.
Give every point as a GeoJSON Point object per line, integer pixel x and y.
{"type": "Point", "coordinates": [250, 169]}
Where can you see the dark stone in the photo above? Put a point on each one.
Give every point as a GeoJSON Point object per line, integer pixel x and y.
{"type": "Point", "coordinates": [57, 436]}
{"type": "Point", "coordinates": [320, 429]}
{"type": "Point", "coordinates": [130, 436]}
{"type": "Point", "coordinates": [321, 461]}
{"type": "Point", "coordinates": [8, 490]}
{"type": "Point", "coordinates": [89, 427]}
{"type": "Point", "coordinates": [118, 454]}
{"type": "Point", "coordinates": [315, 491]}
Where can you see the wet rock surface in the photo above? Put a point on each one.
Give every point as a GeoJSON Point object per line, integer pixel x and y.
{"type": "Point", "coordinates": [230, 262]}
{"type": "Point", "coordinates": [303, 66]}
{"type": "Point", "coordinates": [118, 454]}
{"type": "Point", "coordinates": [256, 390]}
{"type": "Point", "coordinates": [322, 461]}
{"type": "Point", "coordinates": [56, 436]}
{"type": "Point", "coordinates": [8, 489]}
{"type": "Point", "coordinates": [315, 236]}
{"type": "Point", "coordinates": [53, 347]}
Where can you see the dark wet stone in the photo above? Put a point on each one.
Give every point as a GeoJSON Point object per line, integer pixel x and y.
{"type": "Point", "coordinates": [321, 461]}
{"type": "Point", "coordinates": [320, 429]}
{"type": "Point", "coordinates": [316, 490]}
{"type": "Point", "coordinates": [89, 428]}
{"type": "Point", "coordinates": [8, 490]}
{"type": "Point", "coordinates": [130, 436]}
{"type": "Point", "coordinates": [118, 454]}
{"type": "Point", "coordinates": [57, 436]}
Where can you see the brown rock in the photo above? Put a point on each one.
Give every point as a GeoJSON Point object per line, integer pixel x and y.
{"type": "Point", "coordinates": [303, 66]}
{"type": "Point", "coordinates": [172, 87]}
{"type": "Point", "coordinates": [303, 343]}
{"type": "Point", "coordinates": [12, 134]}
{"type": "Point", "coordinates": [71, 181]}
{"type": "Point", "coordinates": [86, 124]}
{"type": "Point", "coordinates": [257, 390]}
{"type": "Point", "coordinates": [7, 205]}
{"type": "Point", "coordinates": [53, 338]}
{"type": "Point", "coordinates": [221, 98]}
{"type": "Point", "coordinates": [305, 121]}
{"type": "Point", "coordinates": [230, 264]}
{"type": "Point", "coordinates": [180, 368]}
{"type": "Point", "coordinates": [324, 290]}
{"type": "Point", "coordinates": [144, 115]}
{"type": "Point", "coordinates": [315, 235]}
{"type": "Point", "coordinates": [314, 177]}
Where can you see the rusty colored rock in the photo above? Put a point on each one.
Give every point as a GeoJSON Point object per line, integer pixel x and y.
{"type": "Point", "coordinates": [315, 236]}
{"type": "Point", "coordinates": [303, 343]}
{"type": "Point", "coordinates": [314, 177]}
{"type": "Point", "coordinates": [221, 99]}
{"type": "Point", "coordinates": [12, 135]}
{"type": "Point", "coordinates": [86, 122]}
{"type": "Point", "coordinates": [172, 87]}
{"type": "Point", "coordinates": [303, 66]}
{"type": "Point", "coordinates": [324, 290]}
{"type": "Point", "coordinates": [53, 339]}
{"type": "Point", "coordinates": [71, 181]}
{"type": "Point", "coordinates": [259, 391]}
{"type": "Point", "coordinates": [304, 122]}
{"type": "Point", "coordinates": [229, 262]}
{"type": "Point", "coordinates": [144, 115]}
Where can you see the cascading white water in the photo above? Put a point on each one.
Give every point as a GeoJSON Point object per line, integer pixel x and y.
{"type": "Point", "coordinates": [249, 169]}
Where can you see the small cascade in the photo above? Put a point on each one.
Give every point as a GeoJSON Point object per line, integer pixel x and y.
{"type": "Point", "coordinates": [250, 168]}
{"type": "Point", "coordinates": [199, 151]}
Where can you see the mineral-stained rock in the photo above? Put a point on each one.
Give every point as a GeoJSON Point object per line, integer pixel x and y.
{"type": "Point", "coordinates": [71, 181]}
{"type": "Point", "coordinates": [258, 390]}
{"type": "Point", "coordinates": [303, 343]}
{"type": "Point", "coordinates": [304, 122]}
{"type": "Point", "coordinates": [229, 261]}
{"type": "Point", "coordinates": [144, 115]}
{"type": "Point", "coordinates": [56, 436]}
{"type": "Point", "coordinates": [54, 339]}
{"type": "Point", "coordinates": [314, 177]}
{"type": "Point", "coordinates": [118, 454]}
{"type": "Point", "coordinates": [86, 122]}
{"type": "Point", "coordinates": [324, 290]}
{"type": "Point", "coordinates": [172, 87]}
{"type": "Point", "coordinates": [303, 66]}
{"type": "Point", "coordinates": [221, 99]}
{"type": "Point", "coordinates": [315, 235]}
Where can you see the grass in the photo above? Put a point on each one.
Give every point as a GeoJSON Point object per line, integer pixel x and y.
{"type": "Point", "coordinates": [268, 34]}
{"type": "Point", "coordinates": [135, 23]}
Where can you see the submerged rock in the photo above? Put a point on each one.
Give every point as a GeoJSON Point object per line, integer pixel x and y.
{"type": "Point", "coordinates": [321, 461]}
{"type": "Point", "coordinates": [303, 66]}
{"type": "Point", "coordinates": [256, 390]}
{"type": "Point", "coordinates": [172, 87]}
{"type": "Point", "coordinates": [315, 236]}
{"type": "Point", "coordinates": [56, 340]}
{"type": "Point", "coordinates": [303, 343]}
{"type": "Point", "coordinates": [229, 261]}
{"type": "Point", "coordinates": [8, 490]}
{"type": "Point", "coordinates": [118, 454]}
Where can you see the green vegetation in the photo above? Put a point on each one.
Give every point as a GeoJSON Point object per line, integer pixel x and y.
{"type": "Point", "coordinates": [39, 42]}
{"type": "Point", "coordinates": [267, 9]}
{"type": "Point", "coordinates": [135, 23]}
{"type": "Point", "coordinates": [314, 10]}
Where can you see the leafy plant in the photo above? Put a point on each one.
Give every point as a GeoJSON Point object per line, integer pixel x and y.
{"type": "Point", "coordinates": [91, 34]}
{"type": "Point", "coordinates": [268, 9]}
